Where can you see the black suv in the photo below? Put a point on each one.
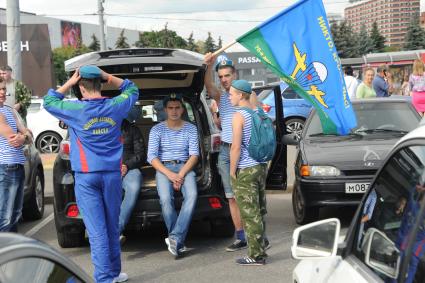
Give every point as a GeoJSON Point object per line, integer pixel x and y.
{"type": "Point", "coordinates": [157, 73]}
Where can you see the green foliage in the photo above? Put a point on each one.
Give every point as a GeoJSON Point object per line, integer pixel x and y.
{"type": "Point", "coordinates": [191, 42]}
{"type": "Point", "coordinates": [377, 38]}
{"type": "Point", "coordinates": [344, 39]}
{"type": "Point", "coordinates": [415, 37]}
{"type": "Point", "coordinates": [95, 44]}
{"type": "Point", "coordinates": [364, 43]}
{"type": "Point", "coordinates": [209, 45]}
{"type": "Point", "coordinates": [164, 38]}
{"type": "Point", "coordinates": [122, 41]}
{"type": "Point", "coordinates": [220, 43]}
{"type": "Point", "coordinates": [60, 55]}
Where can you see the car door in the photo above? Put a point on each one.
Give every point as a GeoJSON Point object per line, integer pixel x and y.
{"type": "Point", "coordinates": [276, 178]}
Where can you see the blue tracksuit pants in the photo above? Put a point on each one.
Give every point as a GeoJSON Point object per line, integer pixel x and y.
{"type": "Point", "coordinates": [99, 196]}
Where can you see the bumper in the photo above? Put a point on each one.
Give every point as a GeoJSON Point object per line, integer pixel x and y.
{"type": "Point", "coordinates": [330, 192]}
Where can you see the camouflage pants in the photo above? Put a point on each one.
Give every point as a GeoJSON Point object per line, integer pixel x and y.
{"type": "Point", "coordinates": [249, 189]}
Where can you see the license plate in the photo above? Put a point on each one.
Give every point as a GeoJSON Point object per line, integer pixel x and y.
{"type": "Point", "coordinates": [356, 188]}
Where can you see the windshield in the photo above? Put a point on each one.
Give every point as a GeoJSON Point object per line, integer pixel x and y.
{"type": "Point", "coordinates": [395, 117]}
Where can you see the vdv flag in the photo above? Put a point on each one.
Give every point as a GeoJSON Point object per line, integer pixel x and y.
{"type": "Point", "coordinates": [297, 45]}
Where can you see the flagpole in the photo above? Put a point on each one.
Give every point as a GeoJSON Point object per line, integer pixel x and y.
{"type": "Point", "coordinates": [224, 48]}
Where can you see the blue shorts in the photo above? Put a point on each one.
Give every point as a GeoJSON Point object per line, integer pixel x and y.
{"type": "Point", "coordinates": [223, 165]}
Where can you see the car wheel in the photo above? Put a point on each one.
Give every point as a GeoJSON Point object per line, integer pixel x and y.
{"type": "Point", "coordinates": [70, 238]}
{"type": "Point", "coordinates": [48, 142]}
{"type": "Point", "coordinates": [302, 213]}
{"type": "Point", "coordinates": [34, 207]}
{"type": "Point", "coordinates": [295, 126]}
{"type": "Point", "coordinates": [222, 227]}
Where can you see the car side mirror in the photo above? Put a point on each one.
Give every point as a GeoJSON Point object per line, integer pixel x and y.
{"type": "Point", "coordinates": [62, 125]}
{"type": "Point", "coordinates": [316, 240]}
{"type": "Point", "coordinates": [381, 254]}
{"type": "Point", "coordinates": [290, 139]}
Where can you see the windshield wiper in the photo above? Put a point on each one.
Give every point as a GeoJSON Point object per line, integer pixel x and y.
{"type": "Point", "coordinates": [381, 131]}
{"type": "Point", "coordinates": [322, 135]}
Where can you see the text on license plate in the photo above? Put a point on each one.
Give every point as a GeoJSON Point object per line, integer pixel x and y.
{"type": "Point", "coordinates": [355, 188]}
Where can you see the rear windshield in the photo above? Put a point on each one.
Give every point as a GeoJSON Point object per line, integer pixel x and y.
{"type": "Point", "coordinates": [153, 111]}
{"type": "Point", "coordinates": [396, 116]}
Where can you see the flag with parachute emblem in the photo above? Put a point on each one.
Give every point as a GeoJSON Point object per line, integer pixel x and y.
{"type": "Point", "coordinates": [297, 45]}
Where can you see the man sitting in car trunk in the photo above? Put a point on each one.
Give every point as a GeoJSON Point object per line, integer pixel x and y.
{"type": "Point", "coordinates": [173, 151]}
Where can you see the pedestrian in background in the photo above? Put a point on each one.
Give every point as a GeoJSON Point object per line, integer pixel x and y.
{"type": "Point", "coordinates": [382, 83]}
{"type": "Point", "coordinates": [96, 150]}
{"type": "Point", "coordinates": [405, 86]}
{"type": "Point", "coordinates": [350, 82]}
{"type": "Point", "coordinates": [18, 95]}
{"type": "Point", "coordinates": [365, 89]}
{"type": "Point", "coordinates": [417, 86]}
{"type": "Point", "coordinates": [248, 176]}
{"type": "Point", "coordinates": [13, 135]}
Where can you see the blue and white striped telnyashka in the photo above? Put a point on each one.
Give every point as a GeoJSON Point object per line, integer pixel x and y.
{"type": "Point", "coordinates": [245, 160]}
{"type": "Point", "coordinates": [226, 110]}
{"type": "Point", "coordinates": [8, 153]}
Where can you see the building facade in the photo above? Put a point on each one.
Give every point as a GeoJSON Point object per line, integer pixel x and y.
{"type": "Point", "coordinates": [392, 17]}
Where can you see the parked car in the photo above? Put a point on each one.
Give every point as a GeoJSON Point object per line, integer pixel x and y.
{"type": "Point", "coordinates": [45, 128]}
{"type": "Point", "coordinates": [295, 108]}
{"type": "Point", "coordinates": [23, 259]}
{"type": "Point", "coordinates": [33, 208]}
{"type": "Point", "coordinates": [333, 170]}
{"type": "Point", "coordinates": [386, 239]}
{"type": "Point", "coordinates": [158, 72]}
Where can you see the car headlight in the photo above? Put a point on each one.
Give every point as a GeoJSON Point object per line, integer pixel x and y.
{"type": "Point", "coordinates": [319, 171]}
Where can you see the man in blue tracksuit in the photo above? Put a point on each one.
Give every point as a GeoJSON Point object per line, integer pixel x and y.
{"type": "Point", "coordinates": [96, 148]}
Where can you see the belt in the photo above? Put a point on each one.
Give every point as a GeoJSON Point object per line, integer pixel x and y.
{"type": "Point", "coordinates": [225, 143]}
{"type": "Point", "coordinates": [173, 162]}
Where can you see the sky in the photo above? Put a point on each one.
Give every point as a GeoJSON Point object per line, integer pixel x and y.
{"type": "Point", "coordinates": [226, 18]}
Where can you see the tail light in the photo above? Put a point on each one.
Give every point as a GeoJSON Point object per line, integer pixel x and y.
{"type": "Point", "coordinates": [64, 149]}
{"type": "Point", "coordinates": [72, 211]}
{"type": "Point", "coordinates": [266, 108]}
{"type": "Point", "coordinates": [304, 170]}
{"type": "Point", "coordinates": [215, 203]}
{"type": "Point", "coordinates": [215, 142]}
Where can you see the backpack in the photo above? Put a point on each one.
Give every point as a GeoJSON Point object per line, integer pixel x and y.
{"type": "Point", "coordinates": [262, 143]}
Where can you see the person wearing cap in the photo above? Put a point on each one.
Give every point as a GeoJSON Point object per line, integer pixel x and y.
{"type": "Point", "coordinates": [173, 150]}
{"type": "Point", "coordinates": [248, 176]}
{"type": "Point", "coordinates": [382, 82]}
{"type": "Point", "coordinates": [134, 154]}
{"type": "Point", "coordinates": [18, 95]}
{"type": "Point", "coordinates": [226, 74]}
{"type": "Point", "coordinates": [94, 130]}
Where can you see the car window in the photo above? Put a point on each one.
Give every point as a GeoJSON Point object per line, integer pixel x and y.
{"type": "Point", "coordinates": [392, 209]}
{"type": "Point", "coordinates": [34, 106]}
{"type": "Point", "coordinates": [37, 270]}
{"type": "Point", "coordinates": [395, 116]}
{"type": "Point", "coordinates": [154, 110]}
{"type": "Point", "coordinates": [290, 94]}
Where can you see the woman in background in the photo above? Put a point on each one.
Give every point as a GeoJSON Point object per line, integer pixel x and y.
{"type": "Point", "coordinates": [365, 89]}
{"type": "Point", "coordinates": [417, 86]}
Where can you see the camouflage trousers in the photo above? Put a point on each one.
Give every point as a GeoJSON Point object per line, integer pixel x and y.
{"type": "Point", "coordinates": [250, 195]}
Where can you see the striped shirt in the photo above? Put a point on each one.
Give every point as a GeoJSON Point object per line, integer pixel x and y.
{"type": "Point", "coordinates": [8, 153]}
{"type": "Point", "coordinates": [245, 160]}
{"type": "Point", "coordinates": [226, 110]}
{"type": "Point", "coordinates": [167, 144]}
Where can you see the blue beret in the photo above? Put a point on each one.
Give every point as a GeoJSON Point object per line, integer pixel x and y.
{"type": "Point", "coordinates": [224, 63]}
{"type": "Point", "coordinates": [90, 72]}
{"type": "Point", "coordinates": [242, 85]}
{"type": "Point", "coordinates": [172, 97]}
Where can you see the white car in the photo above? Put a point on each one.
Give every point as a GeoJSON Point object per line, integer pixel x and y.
{"type": "Point", "coordinates": [386, 239]}
{"type": "Point", "coordinates": [45, 128]}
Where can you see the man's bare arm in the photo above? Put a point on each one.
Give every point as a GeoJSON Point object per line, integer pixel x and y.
{"type": "Point", "coordinates": [212, 89]}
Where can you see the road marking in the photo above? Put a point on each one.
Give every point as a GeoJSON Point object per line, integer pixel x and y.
{"type": "Point", "coordinates": [40, 225]}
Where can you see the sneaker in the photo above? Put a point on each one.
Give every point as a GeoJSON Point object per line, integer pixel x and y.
{"type": "Point", "coordinates": [237, 245]}
{"type": "Point", "coordinates": [172, 246]}
{"type": "Point", "coordinates": [123, 277]}
{"type": "Point", "coordinates": [250, 261]}
{"type": "Point", "coordinates": [122, 239]}
{"type": "Point", "coordinates": [267, 244]}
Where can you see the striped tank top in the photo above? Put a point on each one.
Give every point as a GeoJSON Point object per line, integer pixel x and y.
{"type": "Point", "coordinates": [245, 160]}
{"type": "Point", "coordinates": [8, 153]}
{"type": "Point", "coordinates": [226, 110]}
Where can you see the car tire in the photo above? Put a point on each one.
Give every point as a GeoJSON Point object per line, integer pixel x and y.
{"type": "Point", "coordinates": [70, 239]}
{"type": "Point", "coordinates": [222, 227]}
{"type": "Point", "coordinates": [295, 126]}
{"type": "Point", "coordinates": [302, 213]}
{"type": "Point", "coordinates": [48, 142]}
{"type": "Point", "coordinates": [34, 207]}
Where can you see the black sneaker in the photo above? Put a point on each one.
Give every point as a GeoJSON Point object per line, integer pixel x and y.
{"type": "Point", "coordinates": [122, 239]}
{"type": "Point", "coordinates": [248, 261]}
{"type": "Point", "coordinates": [237, 245]}
{"type": "Point", "coordinates": [267, 244]}
{"type": "Point", "coordinates": [172, 246]}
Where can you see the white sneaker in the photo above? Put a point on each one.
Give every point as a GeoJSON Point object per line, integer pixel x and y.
{"type": "Point", "coordinates": [123, 277]}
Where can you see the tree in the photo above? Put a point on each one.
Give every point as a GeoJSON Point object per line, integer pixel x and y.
{"type": "Point", "coordinates": [344, 39]}
{"type": "Point", "coordinates": [191, 42]}
{"type": "Point", "coordinates": [122, 41]}
{"type": "Point", "coordinates": [60, 55]}
{"type": "Point", "coordinates": [209, 45]}
{"type": "Point", "coordinates": [164, 38]}
{"type": "Point", "coordinates": [377, 38]}
{"type": "Point", "coordinates": [364, 43]}
{"type": "Point", "coordinates": [94, 45]}
{"type": "Point", "coordinates": [220, 43]}
{"type": "Point", "coordinates": [415, 37]}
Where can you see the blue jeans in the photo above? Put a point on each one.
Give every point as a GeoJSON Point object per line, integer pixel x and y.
{"type": "Point", "coordinates": [177, 226]}
{"type": "Point", "coordinates": [131, 186]}
{"type": "Point", "coordinates": [223, 165]}
{"type": "Point", "coordinates": [12, 177]}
